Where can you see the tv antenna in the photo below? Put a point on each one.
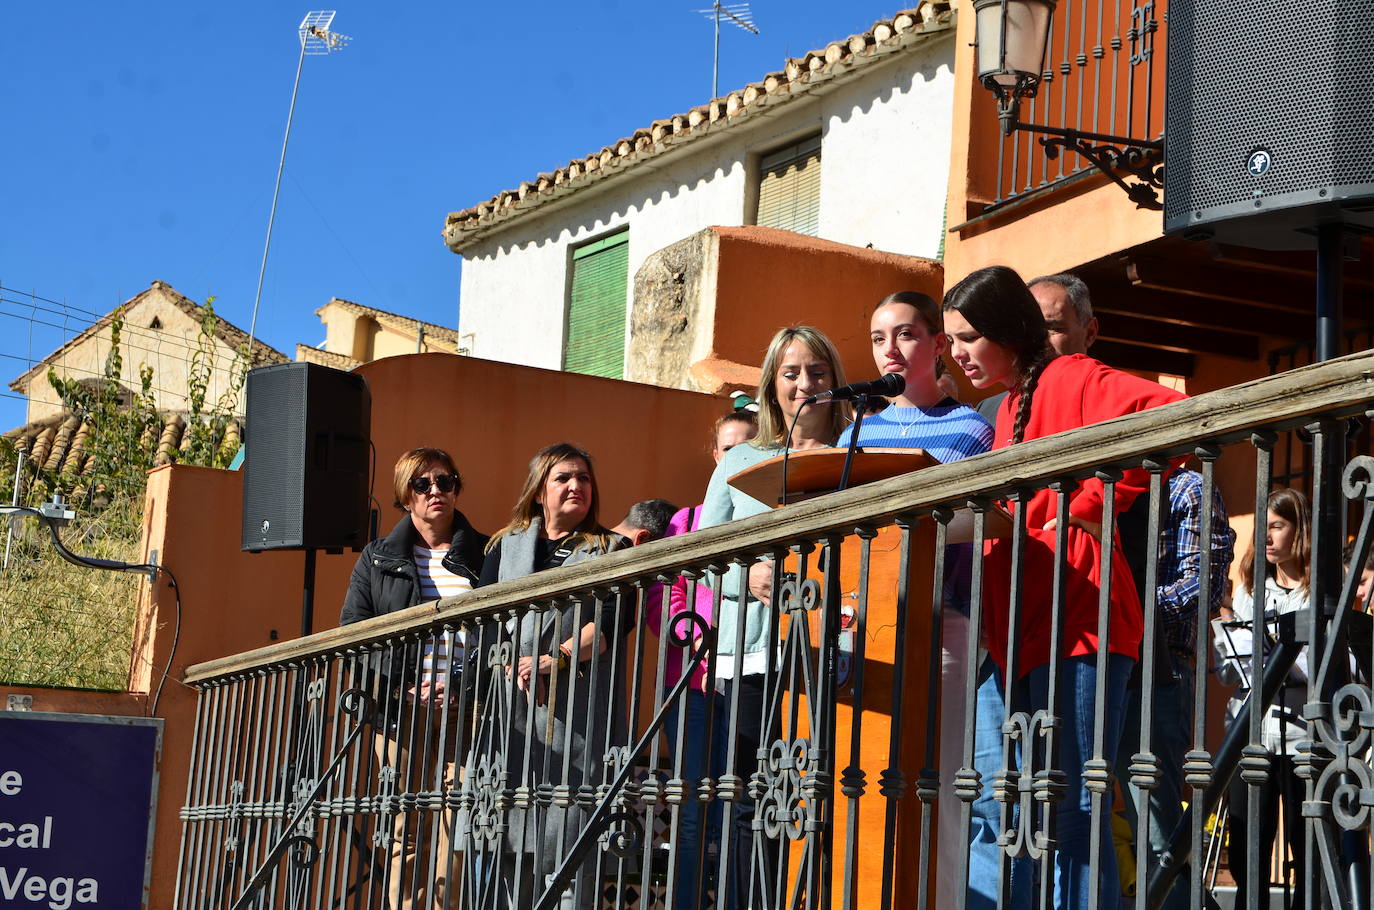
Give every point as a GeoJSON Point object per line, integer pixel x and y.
{"type": "Point", "coordinates": [316, 41]}
{"type": "Point", "coordinates": [738, 13]}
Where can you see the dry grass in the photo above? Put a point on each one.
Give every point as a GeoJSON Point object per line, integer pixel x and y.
{"type": "Point", "coordinates": [63, 625]}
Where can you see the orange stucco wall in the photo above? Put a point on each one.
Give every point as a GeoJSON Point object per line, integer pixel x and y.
{"type": "Point", "coordinates": [646, 441]}
{"type": "Point", "coordinates": [767, 279]}
{"type": "Point", "coordinates": [1062, 229]}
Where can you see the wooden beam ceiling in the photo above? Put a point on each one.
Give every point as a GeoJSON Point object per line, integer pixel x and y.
{"type": "Point", "coordinates": [1150, 333]}
{"type": "Point", "coordinates": [1209, 313]}
{"type": "Point", "coordinates": [1147, 360]}
{"type": "Point", "coordinates": [1236, 281]}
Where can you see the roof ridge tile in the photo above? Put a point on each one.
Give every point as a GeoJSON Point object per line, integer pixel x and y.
{"type": "Point", "coordinates": [797, 76]}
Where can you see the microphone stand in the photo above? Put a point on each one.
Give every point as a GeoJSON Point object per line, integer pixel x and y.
{"type": "Point", "coordinates": [860, 407]}
{"type": "Point", "coordinates": [787, 450]}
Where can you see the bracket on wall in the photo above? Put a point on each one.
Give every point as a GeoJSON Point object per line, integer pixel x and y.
{"type": "Point", "coordinates": [1118, 157]}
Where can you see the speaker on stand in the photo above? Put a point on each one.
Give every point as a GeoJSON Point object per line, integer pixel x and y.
{"type": "Point", "coordinates": [306, 479]}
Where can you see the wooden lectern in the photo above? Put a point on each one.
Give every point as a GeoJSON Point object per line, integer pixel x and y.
{"type": "Point", "coordinates": [814, 472]}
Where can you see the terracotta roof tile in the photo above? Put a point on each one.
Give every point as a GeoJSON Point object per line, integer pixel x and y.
{"type": "Point", "coordinates": [798, 76]}
{"type": "Point", "coordinates": [59, 443]}
{"type": "Point", "coordinates": [306, 354]}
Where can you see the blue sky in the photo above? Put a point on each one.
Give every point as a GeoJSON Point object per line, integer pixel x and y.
{"type": "Point", "coordinates": [142, 138]}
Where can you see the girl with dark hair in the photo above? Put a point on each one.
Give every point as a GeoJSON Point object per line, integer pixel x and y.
{"type": "Point", "coordinates": [1286, 573]}
{"type": "Point", "coordinates": [729, 430]}
{"type": "Point", "coordinates": [998, 337]}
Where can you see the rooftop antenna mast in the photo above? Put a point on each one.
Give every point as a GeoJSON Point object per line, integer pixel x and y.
{"type": "Point", "coordinates": [738, 13]}
{"type": "Point", "coordinates": [316, 41]}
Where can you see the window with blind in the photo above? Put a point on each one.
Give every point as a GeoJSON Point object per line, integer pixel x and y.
{"type": "Point", "coordinates": [596, 307]}
{"type": "Point", "coordinates": [790, 187]}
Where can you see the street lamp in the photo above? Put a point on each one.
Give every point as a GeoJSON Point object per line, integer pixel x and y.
{"type": "Point", "coordinates": [1010, 37]}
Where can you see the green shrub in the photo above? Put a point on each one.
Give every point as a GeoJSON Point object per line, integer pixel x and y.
{"type": "Point", "coordinates": [65, 625]}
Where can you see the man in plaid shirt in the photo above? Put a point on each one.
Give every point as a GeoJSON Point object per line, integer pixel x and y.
{"type": "Point", "coordinates": [1177, 591]}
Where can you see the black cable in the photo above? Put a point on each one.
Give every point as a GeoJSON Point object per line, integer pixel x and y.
{"type": "Point", "coordinates": [176, 637]}
{"type": "Point", "coordinates": [376, 516]}
{"type": "Point", "coordinates": [111, 565]}
{"type": "Point", "coordinates": [787, 448]}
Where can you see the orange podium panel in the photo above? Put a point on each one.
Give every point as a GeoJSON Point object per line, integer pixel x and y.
{"type": "Point", "coordinates": [875, 620]}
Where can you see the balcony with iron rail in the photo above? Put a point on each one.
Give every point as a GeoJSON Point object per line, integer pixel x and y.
{"type": "Point", "coordinates": [322, 775]}
{"type": "Point", "coordinates": [1035, 199]}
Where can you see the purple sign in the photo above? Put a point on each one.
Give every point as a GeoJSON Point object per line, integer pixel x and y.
{"type": "Point", "coordinates": [77, 794]}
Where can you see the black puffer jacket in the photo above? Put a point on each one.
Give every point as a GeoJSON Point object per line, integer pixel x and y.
{"type": "Point", "coordinates": [385, 578]}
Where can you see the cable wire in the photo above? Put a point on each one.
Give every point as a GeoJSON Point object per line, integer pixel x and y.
{"type": "Point", "coordinates": [112, 565]}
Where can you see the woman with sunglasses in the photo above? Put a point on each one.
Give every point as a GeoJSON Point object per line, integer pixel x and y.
{"type": "Point", "coordinates": [433, 552]}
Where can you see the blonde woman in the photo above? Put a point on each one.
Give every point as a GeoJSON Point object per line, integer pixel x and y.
{"type": "Point", "coordinates": [800, 361]}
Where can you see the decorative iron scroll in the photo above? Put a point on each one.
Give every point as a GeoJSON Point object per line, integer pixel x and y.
{"type": "Point", "coordinates": [356, 704]}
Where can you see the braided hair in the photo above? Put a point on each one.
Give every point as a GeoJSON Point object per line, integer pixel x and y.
{"type": "Point", "coordinates": [997, 303]}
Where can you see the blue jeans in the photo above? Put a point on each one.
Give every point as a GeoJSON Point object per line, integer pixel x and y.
{"type": "Point", "coordinates": [746, 869]}
{"type": "Point", "coordinates": [687, 887]}
{"type": "Point", "coordinates": [1073, 818]}
{"type": "Point", "coordinates": [1171, 736]}
{"type": "Point", "coordinates": [985, 823]}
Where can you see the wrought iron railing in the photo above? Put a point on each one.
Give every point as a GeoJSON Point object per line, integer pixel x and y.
{"type": "Point", "coordinates": [322, 777]}
{"type": "Point", "coordinates": [1104, 74]}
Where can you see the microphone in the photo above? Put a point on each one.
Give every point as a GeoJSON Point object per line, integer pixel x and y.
{"type": "Point", "coordinates": [890, 385]}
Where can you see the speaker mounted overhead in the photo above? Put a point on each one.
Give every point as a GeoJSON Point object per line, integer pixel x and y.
{"type": "Point", "coordinates": [1269, 121]}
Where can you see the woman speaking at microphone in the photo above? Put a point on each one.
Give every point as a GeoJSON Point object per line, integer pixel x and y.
{"type": "Point", "coordinates": [998, 337]}
{"type": "Point", "coordinates": [800, 362]}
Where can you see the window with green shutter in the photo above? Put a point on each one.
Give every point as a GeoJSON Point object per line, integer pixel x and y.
{"type": "Point", "coordinates": [596, 307]}
{"type": "Point", "coordinates": [790, 187]}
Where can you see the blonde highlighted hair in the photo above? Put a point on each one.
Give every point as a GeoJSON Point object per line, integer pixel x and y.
{"type": "Point", "coordinates": [528, 508]}
{"type": "Point", "coordinates": [772, 425]}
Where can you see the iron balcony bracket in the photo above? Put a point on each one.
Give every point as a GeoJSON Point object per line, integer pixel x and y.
{"type": "Point", "coordinates": [1116, 156]}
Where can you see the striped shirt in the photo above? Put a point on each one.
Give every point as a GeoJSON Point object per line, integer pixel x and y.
{"type": "Point", "coordinates": [948, 431]}
{"type": "Point", "coordinates": [435, 582]}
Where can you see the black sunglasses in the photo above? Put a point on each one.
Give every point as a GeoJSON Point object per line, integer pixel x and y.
{"type": "Point", "coordinates": [445, 483]}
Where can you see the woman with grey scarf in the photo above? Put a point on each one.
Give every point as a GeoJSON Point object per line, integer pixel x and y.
{"type": "Point", "coordinates": [564, 684]}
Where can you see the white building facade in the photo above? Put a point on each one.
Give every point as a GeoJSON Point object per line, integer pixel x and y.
{"type": "Point", "coordinates": [851, 143]}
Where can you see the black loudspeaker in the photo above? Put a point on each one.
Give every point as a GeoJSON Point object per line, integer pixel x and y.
{"type": "Point", "coordinates": [306, 483]}
{"type": "Point", "coordinates": [1269, 120]}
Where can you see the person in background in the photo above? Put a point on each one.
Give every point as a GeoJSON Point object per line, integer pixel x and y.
{"type": "Point", "coordinates": [728, 431]}
{"type": "Point", "coordinates": [431, 553]}
{"type": "Point", "coordinates": [554, 523]}
{"type": "Point", "coordinates": [1177, 591]}
{"type": "Point", "coordinates": [800, 361]}
{"type": "Point", "coordinates": [998, 336]}
{"type": "Point", "coordinates": [1366, 582]}
{"type": "Point", "coordinates": [908, 338]}
{"type": "Point", "coordinates": [646, 521]}
{"type": "Point", "coordinates": [1286, 575]}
